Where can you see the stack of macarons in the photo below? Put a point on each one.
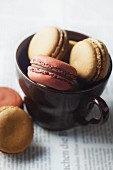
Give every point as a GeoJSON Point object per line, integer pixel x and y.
{"type": "Point", "coordinates": [16, 126]}
{"type": "Point", "coordinates": [88, 60]}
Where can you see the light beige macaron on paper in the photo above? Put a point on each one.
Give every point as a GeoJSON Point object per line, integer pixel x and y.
{"type": "Point", "coordinates": [91, 59]}
{"type": "Point", "coordinates": [50, 41]}
{"type": "Point", "coordinates": [16, 129]}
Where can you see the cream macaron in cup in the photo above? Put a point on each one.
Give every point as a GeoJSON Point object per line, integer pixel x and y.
{"type": "Point", "coordinates": [59, 109]}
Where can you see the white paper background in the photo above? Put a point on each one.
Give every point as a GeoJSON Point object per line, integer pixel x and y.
{"type": "Point", "coordinates": [86, 148]}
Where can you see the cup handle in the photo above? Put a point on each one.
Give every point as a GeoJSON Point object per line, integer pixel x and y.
{"type": "Point", "coordinates": [103, 108]}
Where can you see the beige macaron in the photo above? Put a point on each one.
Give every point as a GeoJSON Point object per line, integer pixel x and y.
{"type": "Point", "coordinates": [16, 129]}
{"type": "Point", "coordinates": [70, 46]}
{"type": "Point", "coordinates": [49, 41]}
{"type": "Point", "coordinates": [91, 59]}
{"type": "Point", "coordinates": [72, 43]}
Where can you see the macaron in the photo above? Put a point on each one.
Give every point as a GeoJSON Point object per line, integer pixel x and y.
{"type": "Point", "coordinates": [52, 73]}
{"type": "Point", "coordinates": [91, 59]}
{"type": "Point", "coordinates": [10, 97]}
{"type": "Point", "coordinates": [50, 41]}
{"type": "Point", "coordinates": [71, 43]}
{"type": "Point", "coordinates": [16, 129]}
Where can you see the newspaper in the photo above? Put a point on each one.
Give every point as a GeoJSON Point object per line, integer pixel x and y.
{"type": "Point", "coordinates": [80, 148]}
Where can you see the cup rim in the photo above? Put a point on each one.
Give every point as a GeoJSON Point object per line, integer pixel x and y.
{"type": "Point", "coordinates": [58, 91]}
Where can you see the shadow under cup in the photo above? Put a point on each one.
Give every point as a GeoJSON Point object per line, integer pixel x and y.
{"type": "Point", "coordinates": [56, 110]}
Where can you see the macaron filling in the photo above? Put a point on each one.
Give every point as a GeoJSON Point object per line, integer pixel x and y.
{"type": "Point", "coordinates": [61, 46]}
{"type": "Point", "coordinates": [57, 49]}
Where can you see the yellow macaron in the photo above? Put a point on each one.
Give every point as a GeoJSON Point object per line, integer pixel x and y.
{"type": "Point", "coordinates": [16, 129]}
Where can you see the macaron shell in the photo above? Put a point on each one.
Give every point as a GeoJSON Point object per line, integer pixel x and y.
{"type": "Point", "coordinates": [58, 45]}
{"type": "Point", "coordinates": [9, 97]}
{"type": "Point", "coordinates": [105, 58]}
{"type": "Point", "coordinates": [62, 47]}
{"type": "Point", "coordinates": [83, 58]}
{"type": "Point", "coordinates": [51, 79]}
{"type": "Point", "coordinates": [106, 63]}
{"type": "Point", "coordinates": [98, 56]}
{"type": "Point", "coordinates": [46, 40]}
{"type": "Point", "coordinates": [16, 130]}
{"type": "Point", "coordinates": [53, 63]}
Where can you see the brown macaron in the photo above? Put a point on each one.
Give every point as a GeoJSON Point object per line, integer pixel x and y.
{"type": "Point", "coordinates": [16, 129]}
{"type": "Point", "coordinates": [50, 41]}
{"type": "Point", "coordinates": [91, 59]}
{"type": "Point", "coordinates": [10, 97]}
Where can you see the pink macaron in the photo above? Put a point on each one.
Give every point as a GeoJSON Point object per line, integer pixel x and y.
{"type": "Point", "coordinates": [52, 73]}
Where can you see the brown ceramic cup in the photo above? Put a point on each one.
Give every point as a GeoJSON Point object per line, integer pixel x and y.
{"type": "Point", "coordinates": [56, 110]}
